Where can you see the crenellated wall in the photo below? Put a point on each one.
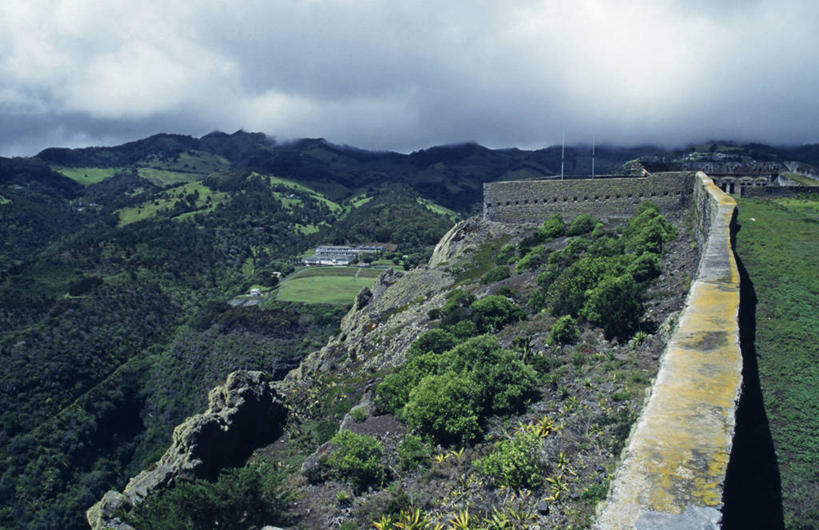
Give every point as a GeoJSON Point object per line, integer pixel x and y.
{"type": "Point", "coordinates": [528, 201]}
{"type": "Point", "coordinates": [674, 466]}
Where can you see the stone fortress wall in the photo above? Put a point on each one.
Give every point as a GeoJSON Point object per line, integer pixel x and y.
{"type": "Point", "coordinates": [531, 201]}
{"type": "Point", "coordinates": [674, 466]}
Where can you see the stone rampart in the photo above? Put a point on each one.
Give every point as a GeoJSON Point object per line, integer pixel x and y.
{"type": "Point", "coordinates": [674, 465]}
{"type": "Point", "coordinates": [532, 201]}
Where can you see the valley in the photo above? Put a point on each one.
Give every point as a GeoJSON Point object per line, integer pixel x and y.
{"type": "Point", "coordinates": [117, 266]}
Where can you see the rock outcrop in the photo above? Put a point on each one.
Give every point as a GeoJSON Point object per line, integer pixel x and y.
{"type": "Point", "coordinates": [244, 413]}
{"type": "Point", "coordinates": [465, 235]}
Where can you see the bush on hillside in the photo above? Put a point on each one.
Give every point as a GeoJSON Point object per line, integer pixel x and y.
{"type": "Point", "coordinates": [393, 392]}
{"type": "Point", "coordinates": [614, 305]}
{"type": "Point", "coordinates": [581, 225]}
{"type": "Point", "coordinates": [533, 259]}
{"type": "Point", "coordinates": [645, 267]}
{"type": "Point", "coordinates": [251, 495]}
{"type": "Point", "coordinates": [413, 452]}
{"type": "Point", "coordinates": [492, 312]}
{"type": "Point", "coordinates": [553, 227]}
{"type": "Point", "coordinates": [516, 462]}
{"type": "Point", "coordinates": [445, 407]}
{"type": "Point", "coordinates": [356, 459]}
{"type": "Point", "coordinates": [505, 253]}
{"type": "Point", "coordinates": [564, 331]}
{"type": "Point", "coordinates": [495, 274]}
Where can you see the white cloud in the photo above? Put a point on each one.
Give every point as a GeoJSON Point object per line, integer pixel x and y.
{"type": "Point", "coordinates": [408, 74]}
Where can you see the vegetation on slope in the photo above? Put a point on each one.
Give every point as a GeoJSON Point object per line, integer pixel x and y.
{"type": "Point", "coordinates": [496, 417]}
{"type": "Point", "coordinates": [113, 332]}
{"type": "Point", "coordinates": [778, 243]}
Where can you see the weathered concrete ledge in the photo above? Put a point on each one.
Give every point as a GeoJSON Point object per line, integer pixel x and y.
{"type": "Point", "coordinates": [674, 466]}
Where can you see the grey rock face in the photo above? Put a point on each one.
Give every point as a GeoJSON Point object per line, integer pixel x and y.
{"type": "Point", "coordinates": [244, 413]}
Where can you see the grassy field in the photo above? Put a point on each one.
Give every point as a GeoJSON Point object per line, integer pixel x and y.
{"type": "Point", "coordinates": [87, 175]}
{"type": "Point", "coordinates": [170, 197]}
{"type": "Point", "coordinates": [326, 285]}
{"type": "Point", "coordinates": [437, 208]}
{"type": "Point", "coordinates": [778, 243]}
{"type": "Point", "coordinates": [167, 177]}
{"type": "Point", "coordinates": [186, 167]}
{"type": "Point", "coordinates": [333, 206]}
{"type": "Point", "coordinates": [802, 179]}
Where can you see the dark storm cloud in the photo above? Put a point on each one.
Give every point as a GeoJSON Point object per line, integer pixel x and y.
{"type": "Point", "coordinates": [402, 75]}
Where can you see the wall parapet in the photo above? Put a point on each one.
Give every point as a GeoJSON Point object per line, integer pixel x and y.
{"type": "Point", "coordinates": [528, 201]}
{"type": "Point", "coordinates": [674, 466]}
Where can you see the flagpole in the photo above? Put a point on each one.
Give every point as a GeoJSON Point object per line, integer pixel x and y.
{"type": "Point", "coordinates": [592, 156]}
{"type": "Point", "coordinates": [562, 153]}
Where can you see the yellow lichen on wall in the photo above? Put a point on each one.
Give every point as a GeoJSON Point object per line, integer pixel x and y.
{"type": "Point", "coordinates": [677, 456]}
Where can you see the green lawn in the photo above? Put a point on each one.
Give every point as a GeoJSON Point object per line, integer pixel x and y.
{"type": "Point", "coordinates": [87, 175]}
{"type": "Point", "coordinates": [778, 243]}
{"type": "Point", "coordinates": [326, 285]}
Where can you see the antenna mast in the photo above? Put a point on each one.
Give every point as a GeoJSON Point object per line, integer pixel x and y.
{"type": "Point", "coordinates": [562, 153]}
{"type": "Point", "coordinates": [592, 156]}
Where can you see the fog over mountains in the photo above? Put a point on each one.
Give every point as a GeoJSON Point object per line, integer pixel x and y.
{"type": "Point", "coordinates": [398, 76]}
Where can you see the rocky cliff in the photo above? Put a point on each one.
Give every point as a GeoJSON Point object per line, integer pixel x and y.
{"type": "Point", "coordinates": [243, 413]}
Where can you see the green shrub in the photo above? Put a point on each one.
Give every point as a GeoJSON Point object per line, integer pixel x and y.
{"type": "Point", "coordinates": [356, 459]}
{"type": "Point", "coordinates": [503, 383]}
{"type": "Point", "coordinates": [533, 259]}
{"type": "Point", "coordinates": [581, 225]}
{"type": "Point", "coordinates": [251, 495]}
{"type": "Point", "coordinates": [553, 227]}
{"type": "Point", "coordinates": [614, 305]}
{"type": "Point", "coordinates": [647, 231]}
{"type": "Point", "coordinates": [515, 462]}
{"type": "Point", "coordinates": [456, 307]}
{"type": "Point", "coordinates": [463, 329]}
{"type": "Point", "coordinates": [492, 312]}
{"type": "Point", "coordinates": [359, 414]}
{"type": "Point", "coordinates": [496, 274]}
{"type": "Point", "coordinates": [505, 253]}
{"type": "Point", "coordinates": [445, 407]}
{"type": "Point", "coordinates": [606, 246]}
{"type": "Point", "coordinates": [393, 392]}
{"type": "Point", "coordinates": [434, 340]}
{"type": "Point", "coordinates": [564, 331]}
{"type": "Point", "coordinates": [570, 253]}
{"type": "Point", "coordinates": [566, 294]}
{"type": "Point", "coordinates": [644, 267]}
{"type": "Point", "coordinates": [599, 231]}
{"type": "Point", "coordinates": [413, 452]}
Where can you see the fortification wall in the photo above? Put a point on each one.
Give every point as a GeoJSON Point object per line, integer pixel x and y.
{"type": "Point", "coordinates": [674, 465]}
{"type": "Point", "coordinates": [532, 201]}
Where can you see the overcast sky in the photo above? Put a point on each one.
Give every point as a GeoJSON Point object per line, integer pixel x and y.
{"type": "Point", "coordinates": [402, 75]}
